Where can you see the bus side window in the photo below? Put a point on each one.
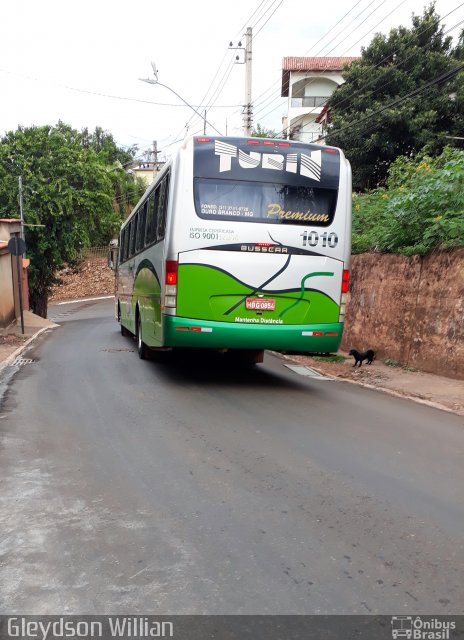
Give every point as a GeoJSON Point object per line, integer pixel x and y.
{"type": "Point", "coordinates": [142, 218]}
{"type": "Point", "coordinates": [121, 245]}
{"type": "Point", "coordinates": [128, 233]}
{"type": "Point", "coordinates": [126, 243]}
{"type": "Point", "coordinates": [164, 198]}
{"type": "Point", "coordinates": [150, 235]}
{"type": "Point", "coordinates": [133, 231]}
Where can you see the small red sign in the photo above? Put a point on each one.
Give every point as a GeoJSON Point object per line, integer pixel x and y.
{"type": "Point", "coordinates": [260, 304]}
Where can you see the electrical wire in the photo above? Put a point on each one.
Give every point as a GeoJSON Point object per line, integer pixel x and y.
{"type": "Point", "coordinates": [441, 78]}
{"type": "Point", "coordinates": [338, 44]}
{"type": "Point", "coordinates": [387, 57]}
{"type": "Point", "coordinates": [227, 72]}
{"type": "Point", "coordinates": [269, 101]}
{"type": "Point", "coordinates": [394, 65]}
{"type": "Point", "coordinates": [262, 27]}
{"type": "Point", "coordinates": [220, 87]}
{"type": "Point", "coordinates": [107, 95]}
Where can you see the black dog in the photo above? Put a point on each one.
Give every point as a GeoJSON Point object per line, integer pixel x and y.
{"type": "Point", "coordinates": [359, 356]}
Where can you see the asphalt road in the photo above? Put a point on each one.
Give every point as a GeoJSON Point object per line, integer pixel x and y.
{"type": "Point", "coordinates": [182, 486]}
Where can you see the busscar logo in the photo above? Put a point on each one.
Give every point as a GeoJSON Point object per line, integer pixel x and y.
{"type": "Point", "coordinates": [419, 629]}
{"type": "Point", "coordinates": [302, 163]}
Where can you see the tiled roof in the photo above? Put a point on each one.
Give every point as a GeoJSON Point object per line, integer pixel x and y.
{"type": "Point", "coordinates": [311, 64]}
{"type": "Point", "coordinates": [316, 64]}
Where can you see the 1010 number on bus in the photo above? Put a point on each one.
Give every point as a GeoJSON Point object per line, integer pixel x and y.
{"type": "Point", "coordinates": [313, 239]}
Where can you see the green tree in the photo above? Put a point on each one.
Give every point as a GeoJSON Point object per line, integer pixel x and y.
{"type": "Point", "coordinates": [70, 187]}
{"type": "Point", "coordinates": [388, 107]}
{"type": "Point", "coordinates": [262, 132]}
{"type": "Point", "coordinates": [104, 144]}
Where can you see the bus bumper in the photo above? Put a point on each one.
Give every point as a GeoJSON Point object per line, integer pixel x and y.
{"type": "Point", "coordinates": [186, 332]}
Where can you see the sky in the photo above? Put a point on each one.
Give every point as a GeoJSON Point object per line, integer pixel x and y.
{"type": "Point", "coordinates": [82, 62]}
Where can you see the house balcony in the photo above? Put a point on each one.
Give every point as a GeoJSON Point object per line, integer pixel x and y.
{"type": "Point", "coordinates": [309, 101]}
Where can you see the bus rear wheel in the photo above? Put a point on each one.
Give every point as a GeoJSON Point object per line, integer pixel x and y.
{"type": "Point", "coordinates": [142, 348]}
{"type": "Point", "coordinates": [124, 332]}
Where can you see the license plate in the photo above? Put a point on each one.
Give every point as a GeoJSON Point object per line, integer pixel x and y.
{"type": "Point", "coordinates": [260, 304]}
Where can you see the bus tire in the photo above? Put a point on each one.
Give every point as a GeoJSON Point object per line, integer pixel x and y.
{"type": "Point", "coordinates": [142, 348]}
{"type": "Point", "coordinates": [124, 332]}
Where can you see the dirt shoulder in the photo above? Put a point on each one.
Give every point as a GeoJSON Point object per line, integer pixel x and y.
{"type": "Point", "coordinates": [439, 391]}
{"type": "Point", "coordinates": [91, 278]}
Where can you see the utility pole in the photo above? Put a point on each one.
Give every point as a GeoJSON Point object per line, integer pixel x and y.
{"type": "Point", "coordinates": [248, 109]}
{"type": "Point", "coordinates": [247, 51]}
{"type": "Point", "coordinates": [155, 158]}
{"type": "Point", "coordinates": [155, 151]}
{"type": "Point", "coordinates": [21, 205]}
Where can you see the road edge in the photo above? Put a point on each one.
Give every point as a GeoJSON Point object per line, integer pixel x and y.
{"type": "Point", "coordinates": [366, 385]}
{"type": "Point", "coordinates": [12, 357]}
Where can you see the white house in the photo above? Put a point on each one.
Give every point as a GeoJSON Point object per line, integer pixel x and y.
{"type": "Point", "coordinates": [308, 83]}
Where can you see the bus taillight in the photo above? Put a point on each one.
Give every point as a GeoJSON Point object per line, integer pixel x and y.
{"type": "Point", "coordinates": [171, 272]}
{"type": "Point", "coordinates": [170, 292]}
{"type": "Point", "coordinates": [346, 275]}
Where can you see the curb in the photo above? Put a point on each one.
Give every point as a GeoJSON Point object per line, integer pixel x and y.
{"type": "Point", "coordinates": [102, 297]}
{"type": "Point", "coordinates": [366, 385]}
{"type": "Point", "coordinates": [12, 357]}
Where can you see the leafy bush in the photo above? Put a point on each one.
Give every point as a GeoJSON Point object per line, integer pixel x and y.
{"type": "Point", "coordinates": [421, 209]}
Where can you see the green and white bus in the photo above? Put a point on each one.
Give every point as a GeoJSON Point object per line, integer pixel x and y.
{"type": "Point", "coordinates": [240, 244]}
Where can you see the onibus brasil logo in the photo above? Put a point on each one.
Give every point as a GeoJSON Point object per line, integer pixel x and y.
{"type": "Point", "coordinates": [413, 628]}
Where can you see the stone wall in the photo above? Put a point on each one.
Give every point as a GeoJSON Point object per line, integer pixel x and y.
{"type": "Point", "coordinates": [409, 309]}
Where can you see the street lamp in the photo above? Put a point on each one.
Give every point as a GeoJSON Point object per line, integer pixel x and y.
{"type": "Point", "coordinates": [155, 80]}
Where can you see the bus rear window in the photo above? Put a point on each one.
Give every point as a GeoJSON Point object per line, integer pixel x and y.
{"type": "Point", "coordinates": [264, 202]}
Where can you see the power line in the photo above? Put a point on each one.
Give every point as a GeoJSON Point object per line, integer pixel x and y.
{"type": "Point", "coordinates": [112, 96]}
{"type": "Point", "coordinates": [387, 57]}
{"type": "Point", "coordinates": [395, 65]}
{"type": "Point", "coordinates": [322, 70]}
{"type": "Point", "coordinates": [269, 102]}
{"type": "Point", "coordinates": [441, 78]}
{"type": "Point", "coordinates": [226, 72]}
{"type": "Point", "coordinates": [247, 22]}
{"type": "Point", "coordinates": [262, 27]}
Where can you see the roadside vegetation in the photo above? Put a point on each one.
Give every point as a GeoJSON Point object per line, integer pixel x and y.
{"type": "Point", "coordinates": [403, 97]}
{"type": "Point", "coordinates": [75, 188]}
{"type": "Point", "coordinates": [399, 109]}
{"type": "Point", "coordinates": [420, 209]}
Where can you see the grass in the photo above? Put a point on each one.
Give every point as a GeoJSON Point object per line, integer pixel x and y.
{"type": "Point", "coordinates": [394, 363]}
{"type": "Point", "coordinates": [329, 358]}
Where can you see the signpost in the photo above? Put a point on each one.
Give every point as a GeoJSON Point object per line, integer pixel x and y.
{"type": "Point", "coordinates": [17, 247]}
